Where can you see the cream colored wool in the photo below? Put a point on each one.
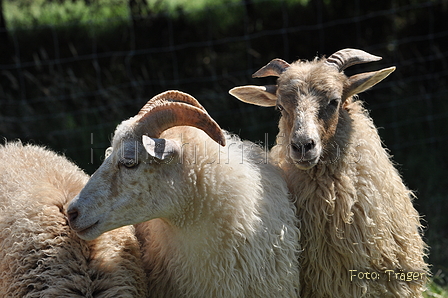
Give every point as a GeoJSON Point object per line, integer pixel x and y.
{"type": "Point", "coordinates": [213, 222]}
{"type": "Point", "coordinates": [237, 235]}
{"type": "Point", "coordinates": [356, 214]}
{"type": "Point", "coordinates": [39, 254]}
{"type": "Point", "coordinates": [214, 218]}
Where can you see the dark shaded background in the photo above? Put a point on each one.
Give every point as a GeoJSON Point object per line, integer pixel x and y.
{"type": "Point", "coordinates": [67, 87]}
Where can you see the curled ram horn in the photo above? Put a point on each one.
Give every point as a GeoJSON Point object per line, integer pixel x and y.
{"type": "Point", "coordinates": [274, 68]}
{"type": "Point", "coordinates": [348, 57]}
{"type": "Point", "coordinates": [171, 96]}
{"type": "Point", "coordinates": [175, 108]}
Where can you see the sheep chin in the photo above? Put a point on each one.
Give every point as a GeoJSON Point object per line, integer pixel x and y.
{"type": "Point", "coordinates": [306, 164]}
{"type": "Point", "coordinates": [90, 233]}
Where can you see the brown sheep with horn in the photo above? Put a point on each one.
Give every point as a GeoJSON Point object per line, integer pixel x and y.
{"type": "Point", "coordinates": [361, 236]}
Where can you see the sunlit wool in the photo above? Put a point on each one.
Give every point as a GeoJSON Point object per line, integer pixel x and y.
{"type": "Point", "coordinates": [213, 221]}
{"type": "Point", "coordinates": [39, 255]}
{"type": "Point", "coordinates": [236, 235]}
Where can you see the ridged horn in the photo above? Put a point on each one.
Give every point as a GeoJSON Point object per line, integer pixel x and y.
{"type": "Point", "coordinates": [171, 96]}
{"type": "Point", "coordinates": [175, 108]}
{"type": "Point", "coordinates": [348, 57]}
{"type": "Point", "coordinates": [274, 68]}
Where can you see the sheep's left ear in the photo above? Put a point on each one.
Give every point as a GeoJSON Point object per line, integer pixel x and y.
{"type": "Point", "coordinates": [162, 149]}
{"type": "Point", "coordinates": [108, 152]}
{"type": "Point", "coordinates": [264, 96]}
{"type": "Point", "coordinates": [363, 81]}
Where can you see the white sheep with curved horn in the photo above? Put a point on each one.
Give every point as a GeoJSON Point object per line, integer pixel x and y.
{"type": "Point", "coordinates": [213, 221]}
{"type": "Point", "coordinates": [361, 236]}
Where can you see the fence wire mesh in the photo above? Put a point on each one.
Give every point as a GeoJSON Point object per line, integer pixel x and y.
{"type": "Point", "coordinates": [60, 85]}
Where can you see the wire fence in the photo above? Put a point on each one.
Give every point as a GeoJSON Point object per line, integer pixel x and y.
{"type": "Point", "coordinates": [77, 78]}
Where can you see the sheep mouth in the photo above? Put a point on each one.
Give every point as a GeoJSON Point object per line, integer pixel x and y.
{"type": "Point", "coordinates": [84, 232]}
{"type": "Point", "coordinates": [304, 157]}
{"type": "Point", "coordinates": [306, 164]}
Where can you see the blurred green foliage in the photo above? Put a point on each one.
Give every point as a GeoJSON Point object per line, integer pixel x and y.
{"type": "Point", "coordinates": [27, 14]}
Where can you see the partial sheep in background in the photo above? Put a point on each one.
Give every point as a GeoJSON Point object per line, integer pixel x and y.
{"type": "Point", "coordinates": [357, 217]}
{"type": "Point", "coordinates": [213, 221]}
{"type": "Point", "coordinates": [40, 256]}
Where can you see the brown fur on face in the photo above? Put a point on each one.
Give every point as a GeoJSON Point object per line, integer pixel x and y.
{"type": "Point", "coordinates": [310, 94]}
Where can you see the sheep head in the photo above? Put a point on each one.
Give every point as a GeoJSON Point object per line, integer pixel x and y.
{"type": "Point", "coordinates": [311, 96]}
{"type": "Point", "coordinates": [140, 177]}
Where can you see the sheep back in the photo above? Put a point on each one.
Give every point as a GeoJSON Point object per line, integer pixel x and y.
{"type": "Point", "coordinates": [39, 255]}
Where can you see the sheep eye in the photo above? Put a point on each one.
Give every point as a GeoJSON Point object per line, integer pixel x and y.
{"type": "Point", "coordinates": [128, 163]}
{"type": "Point", "coordinates": [334, 102]}
{"type": "Point", "coordinates": [279, 107]}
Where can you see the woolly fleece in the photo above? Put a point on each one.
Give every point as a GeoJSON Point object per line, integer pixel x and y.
{"type": "Point", "coordinates": [39, 255]}
{"type": "Point", "coordinates": [355, 214]}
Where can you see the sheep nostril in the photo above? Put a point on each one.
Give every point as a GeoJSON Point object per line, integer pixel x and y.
{"type": "Point", "coordinates": [303, 148]}
{"type": "Point", "coordinates": [72, 214]}
{"type": "Point", "coordinates": [309, 146]}
{"type": "Point", "coordinates": [296, 147]}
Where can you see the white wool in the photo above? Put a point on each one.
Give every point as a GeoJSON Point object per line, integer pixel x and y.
{"type": "Point", "coordinates": [238, 237]}
{"type": "Point", "coordinates": [39, 254]}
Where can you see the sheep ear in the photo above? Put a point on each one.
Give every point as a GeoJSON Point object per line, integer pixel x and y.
{"type": "Point", "coordinates": [264, 96]}
{"type": "Point", "coordinates": [162, 149]}
{"type": "Point", "coordinates": [363, 81]}
{"type": "Point", "coordinates": [108, 152]}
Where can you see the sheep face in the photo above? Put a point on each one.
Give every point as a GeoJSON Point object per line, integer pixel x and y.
{"type": "Point", "coordinates": [135, 183]}
{"type": "Point", "coordinates": [309, 99]}
{"type": "Point", "coordinates": [141, 178]}
{"type": "Point", "coordinates": [311, 96]}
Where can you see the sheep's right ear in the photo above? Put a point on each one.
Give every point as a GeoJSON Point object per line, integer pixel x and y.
{"type": "Point", "coordinates": [162, 149]}
{"type": "Point", "coordinates": [264, 96]}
